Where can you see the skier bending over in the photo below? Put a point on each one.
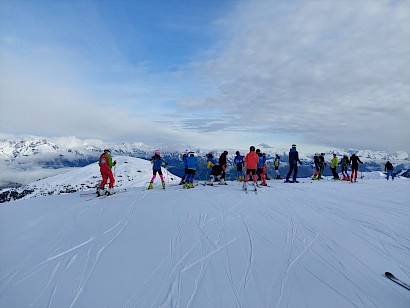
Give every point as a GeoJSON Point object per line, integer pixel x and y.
{"type": "Point", "coordinates": [216, 169]}
{"type": "Point", "coordinates": [157, 162]}
{"type": "Point", "coordinates": [293, 164]}
{"type": "Point", "coordinates": [105, 162]}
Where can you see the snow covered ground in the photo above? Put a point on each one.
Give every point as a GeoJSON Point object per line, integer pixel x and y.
{"type": "Point", "coordinates": [312, 244]}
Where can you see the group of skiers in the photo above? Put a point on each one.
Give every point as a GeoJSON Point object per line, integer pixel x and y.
{"type": "Point", "coordinates": [319, 165]}
{"type": "Point", "coordinates": [253, 162]}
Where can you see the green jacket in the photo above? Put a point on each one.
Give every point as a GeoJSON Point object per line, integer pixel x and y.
{"type": "Point", "coordinates": [334, 162]}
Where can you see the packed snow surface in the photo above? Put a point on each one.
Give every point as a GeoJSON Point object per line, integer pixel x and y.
{"type": "Point", "coordinates": [313, 244]}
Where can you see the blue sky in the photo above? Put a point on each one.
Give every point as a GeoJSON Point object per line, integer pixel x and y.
{"type": "Point", "coordinates": [211, 74]}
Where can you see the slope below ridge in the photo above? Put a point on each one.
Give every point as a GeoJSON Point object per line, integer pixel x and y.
{"type": "Point", "coordinates": [320, 244]}
{"type": "Point", "coordinates": [129, 172]}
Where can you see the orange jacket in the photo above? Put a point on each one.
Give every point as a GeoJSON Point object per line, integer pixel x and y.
{"type": "Point", "coordinates": [251, 160]}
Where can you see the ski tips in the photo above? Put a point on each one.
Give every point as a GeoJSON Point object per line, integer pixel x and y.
{"type": "Point", "coordinates": [388, 274]}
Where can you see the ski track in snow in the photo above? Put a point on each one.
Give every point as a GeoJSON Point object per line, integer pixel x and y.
{"type": "Point", "coordinates": [232, 239]}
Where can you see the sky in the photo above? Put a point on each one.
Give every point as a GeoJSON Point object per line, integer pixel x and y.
{"type": "Point", "coordinates": [209, 73]}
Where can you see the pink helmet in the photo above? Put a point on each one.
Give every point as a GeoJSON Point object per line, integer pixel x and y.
{"type": "Point", "coordinates": [157, 152]}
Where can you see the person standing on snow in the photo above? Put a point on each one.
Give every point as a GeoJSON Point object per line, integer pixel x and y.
{"type": "Point", "coordinates": [293, 164]}
{"type": "Point", "coordinates": [354, 160]}
{"type": "Point", "coordinates": [184, 157]}
{"type": "Point", "coordinates": [261, 171]}
{"type": "Point", "coordinates": [251, 163]}
{"type": "Point", "coordinates": [105, 162]}
{"type": "Point", "coordinates": [333, 165]}
{"type": "Point", "coordinates": [238, 161]}
{"type": "Point", "coordinates": [322, 165]}
{"type": "Point", "coordinates": [191, 163]}
{"type": "Point", "coordinates": [316, 162]}
{"type": "Point", "coordinates": [276, 163]}
{"type": "Point", "coordinates": [388, 168]}
{"type": "Point", "coordinates": [222, 163]}
{"type": "Point", "coordinates": [157, 162]}
{"type": "Point", "coordinates": [344, 162]}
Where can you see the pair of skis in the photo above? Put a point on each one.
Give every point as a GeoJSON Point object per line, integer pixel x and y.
{"type": "Point", "coordinates": [255, 189]}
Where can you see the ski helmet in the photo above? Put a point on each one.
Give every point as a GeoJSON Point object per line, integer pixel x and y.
{"type": "Point", "coordinates": [157, 152]}
{"type": "Point", "coordinates": [209, 155]}
{"type": "Point", "coordinates": [107, 151]}
{"type": "Point", "coordinates": [293, 145]}
{"type": "Point", "coordinates": [237, 153]}
{"type": "Point", "coordinates": [258, 151]}
{"type": "Point", "coordinates": [252, 148]}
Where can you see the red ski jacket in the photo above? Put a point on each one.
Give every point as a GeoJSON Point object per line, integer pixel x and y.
{"type": "Point", "coordinates": [251, 160]}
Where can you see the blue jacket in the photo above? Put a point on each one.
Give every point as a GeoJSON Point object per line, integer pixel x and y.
{"type": "Point", "coordinates": [294, 157]}
{"type": "Point", "coordinates": [191, 162]}
{"type": "Point", "coordinates": [157, 162]}
{"type": "Point", "coordinates": [262, 161]}
{"type": "Point", "coordinates": [184, 157]}
{"type": "Point", "coordinates": [238, 160]}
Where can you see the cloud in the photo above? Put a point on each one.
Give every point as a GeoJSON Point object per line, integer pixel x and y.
{"type": "Point", "coordinates": [333, 72]}
{"type": "Point", "coordinates": [326, 73]}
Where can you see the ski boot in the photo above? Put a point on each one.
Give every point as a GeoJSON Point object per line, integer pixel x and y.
{"type": "Point", "coordinates": [163, 185]}
{"type": "Point", "coordinates": [150, 186]}
{"type": "Point", "coordinates": [100, 192]}
{"type": "Point", "coordinates": [110, 191]}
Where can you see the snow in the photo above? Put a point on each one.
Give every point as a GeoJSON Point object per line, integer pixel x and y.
{"type": "Point", "coordinates": [313, 244]}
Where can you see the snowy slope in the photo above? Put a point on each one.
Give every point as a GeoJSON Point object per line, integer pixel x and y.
{"type": "Point", "coordinates": [129, 172]}
{"type": "Point", "coordinates": [320, 244]}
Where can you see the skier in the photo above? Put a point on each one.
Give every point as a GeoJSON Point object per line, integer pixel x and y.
{"type": "Point", "coordinates": [354, 160]}
{"type": "Point", "coordinates": [216, 169]}
{"type": "Point", "coordinates": [238, 160]}
{"type": "Point", "coordinates": [157, 162]}
{"type": "Point", "coordinates": [388, 168]}
{"type": "Point", "coordinates": [222, 163]}
{"type": "Point", "coordinates": [333, 165]}
{"type": "Point", "coordinates": [276, 163]}
{"type": "Point", "coordinates": [184, 156]}
{"type": "Point", "coordinates": [344, 162]}
{"type": "Point", "coordinates": [316, 163]}
{"type": "Point", "coordinates": [251, 163]}
{"type": "Point", "coordinates": [322, 165]}
{"type": "Point", "coordinates": [105, 162]}
{"type": "Point", "coordinates": [293, 164]}
{"type": "Point", "coordinates": [261, 171]}
{"type": "Point", "coordinates": [191, 163]}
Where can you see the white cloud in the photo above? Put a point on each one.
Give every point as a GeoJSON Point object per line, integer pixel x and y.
{"type": "Point", "coordinates": [335, 71]}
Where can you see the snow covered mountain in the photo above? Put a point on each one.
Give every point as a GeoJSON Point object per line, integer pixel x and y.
{"type": "Point", "coordinates": [312, 244]}
{"type": "Point", "coordinates": [25, 160]}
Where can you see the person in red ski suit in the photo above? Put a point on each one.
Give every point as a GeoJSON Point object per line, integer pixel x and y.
{"type": "Point", "coordinates": [251, 163]}
{"type": "Point", "coordinates": [105, 162]}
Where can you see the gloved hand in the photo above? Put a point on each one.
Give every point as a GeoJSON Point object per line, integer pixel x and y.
{"type": "Point", "coordinates": [300, 162]}
{"type": "Point", "coordinates": [114, 163]}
